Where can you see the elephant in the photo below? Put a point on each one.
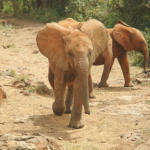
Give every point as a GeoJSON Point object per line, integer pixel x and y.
{"type": "Point", "coordinates": [125, 38]}
{"type": "Point", "coordinates": [107, 55]}
{"type": "Point", "coordinates": [71, 54]}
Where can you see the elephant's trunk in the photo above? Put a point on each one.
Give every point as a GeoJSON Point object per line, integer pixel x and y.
{"type": "Point", "coordinates": [146, 58]}
{"type": "Point", "coordinates": [81, 84]}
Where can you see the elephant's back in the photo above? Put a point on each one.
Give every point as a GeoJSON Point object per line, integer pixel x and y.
{"type": "Point", "coordinates": [98, 34]}
{"type": "Point", "coordinates": [69, 22]}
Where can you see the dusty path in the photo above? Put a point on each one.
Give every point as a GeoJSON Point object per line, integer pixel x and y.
{"type": "Point", "coordinates": [120, 117]}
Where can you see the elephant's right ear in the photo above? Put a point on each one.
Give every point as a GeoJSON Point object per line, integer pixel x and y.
{"type": "Point", "coordinates": [51, 43]}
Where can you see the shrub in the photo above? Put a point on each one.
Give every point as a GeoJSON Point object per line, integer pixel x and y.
{"type": "Point", "coordinates": [84, 9]}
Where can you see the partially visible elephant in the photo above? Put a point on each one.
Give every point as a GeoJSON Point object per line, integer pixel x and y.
{"type": "Point", "coordinates": [71, 54]}
{"type": "Point", "coordinates": [107, 56]}
{"type": "Point", "coordinates": [125, 38]}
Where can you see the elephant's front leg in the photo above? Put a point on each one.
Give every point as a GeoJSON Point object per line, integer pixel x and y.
{"type": "Point", "coordinates": [76, 114]}
{"type": "Point", "coordinates": [79, 92]}
{"type": "Point", "coordinates": [59, 90]}
{"type": "Point", "coordinates": [123, 61]}
{"type": "Point", "coordinates": [69, 99]}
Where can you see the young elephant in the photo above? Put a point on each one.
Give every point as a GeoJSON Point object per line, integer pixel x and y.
{"type": "Point", "coordinates": [124, 39]}
{"type": "Point", "coordinates": [70, 53]}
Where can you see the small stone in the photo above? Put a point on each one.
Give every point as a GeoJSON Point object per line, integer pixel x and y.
{"type": "Point", "coordinates": [60, 138]}
{"type": "Point", "coordinates": [36, 134]}
{"type": "Point", "coordinates": [24, 138]}
{"type": "Point", "coordinates": [35, 52]}
{"type": "Point", "coordinates": [18, 121]}
{"type": "Point", "coordinates": [121, 136]}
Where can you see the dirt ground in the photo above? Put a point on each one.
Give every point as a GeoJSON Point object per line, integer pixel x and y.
{"type": "Point", "coordinates": [119, 119]}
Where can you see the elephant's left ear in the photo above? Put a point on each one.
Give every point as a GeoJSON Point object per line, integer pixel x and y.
{"type": "Point", "coordinates": [52, 45]}
{"type": "Point", "coordinates": [124, 36]}
{"type": "Point", "coordinates": [123, 23]}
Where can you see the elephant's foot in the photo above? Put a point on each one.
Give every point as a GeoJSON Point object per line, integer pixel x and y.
{"type": "Point", "coordinates": [76, 124]}
{"type": "Point", "coordinates": [103, 85]}
{"type": "Point", "coordinates": [57, 109]}
{"type": "Point", "coordinates": [128, 85]}
{"type": "Point", "coordinates": [91, 95]}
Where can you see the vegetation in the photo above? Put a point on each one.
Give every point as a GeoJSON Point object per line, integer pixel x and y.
{"type": "Point", "coordinates": [133, 12]}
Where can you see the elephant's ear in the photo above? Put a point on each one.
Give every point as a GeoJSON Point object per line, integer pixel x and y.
{"type": "Point", "coordinates": [124, 36]}
{"type": "Point", "coordinates": [123, 23]}
{"type": "Point", "coordinates": [51, 43]}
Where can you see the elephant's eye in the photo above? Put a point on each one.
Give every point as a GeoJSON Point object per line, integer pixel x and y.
{"type": "Point", "coordinates": [70, 54]}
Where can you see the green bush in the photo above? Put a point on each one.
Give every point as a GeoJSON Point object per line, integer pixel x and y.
{"type": "Point", "coordinates": [46, 11]}
{"type": "Point", "coordinates": [45, 15]}
{"type": "Point", "coordinates": [8, 8]}
{"type": "Point", "coordinates": [84, 9]}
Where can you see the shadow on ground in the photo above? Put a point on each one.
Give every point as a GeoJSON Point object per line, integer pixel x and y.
{"type": "Point", "coordinates": [52, 125]}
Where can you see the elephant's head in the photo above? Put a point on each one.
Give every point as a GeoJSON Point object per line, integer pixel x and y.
{"type": "Point", "coordinates": [68, 49]}
{"type": "Point", "coordinates": [79, 49]}
{"type": "Point", "coordinates": [131, 39]}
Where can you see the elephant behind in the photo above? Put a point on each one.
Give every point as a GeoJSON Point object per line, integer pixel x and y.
{"type": "Point", "coordinates": [125, 38]}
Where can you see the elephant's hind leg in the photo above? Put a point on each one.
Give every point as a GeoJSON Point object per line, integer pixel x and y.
{"type": "Point", "coordinates": [123, 61]}
{"type": "Point", "coordinates": [107, 68]}
{"type": "Point", "coordinates": [59, 90]}
{"type": "Point", "coordinates": [91, 94]}
{"type": "Point", "coordinates": [69, 99]}
{"type": "Point", "coordinates": [109, 60]}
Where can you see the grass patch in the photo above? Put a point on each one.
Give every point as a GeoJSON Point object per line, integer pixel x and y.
{"type": "Point", "coordinates": [147, 102]}
{"type": "Point", "coordinates": [12, 73]}
{"type": "Point", "coordinates": [5, 27]}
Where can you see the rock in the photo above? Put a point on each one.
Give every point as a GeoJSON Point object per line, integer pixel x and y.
{"type": "Point", "coordinates": [35, 52]}
{"type": "Point", "coordinates": [21, 145]}
{"type": "Point", "coordinates": [28, 142]}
